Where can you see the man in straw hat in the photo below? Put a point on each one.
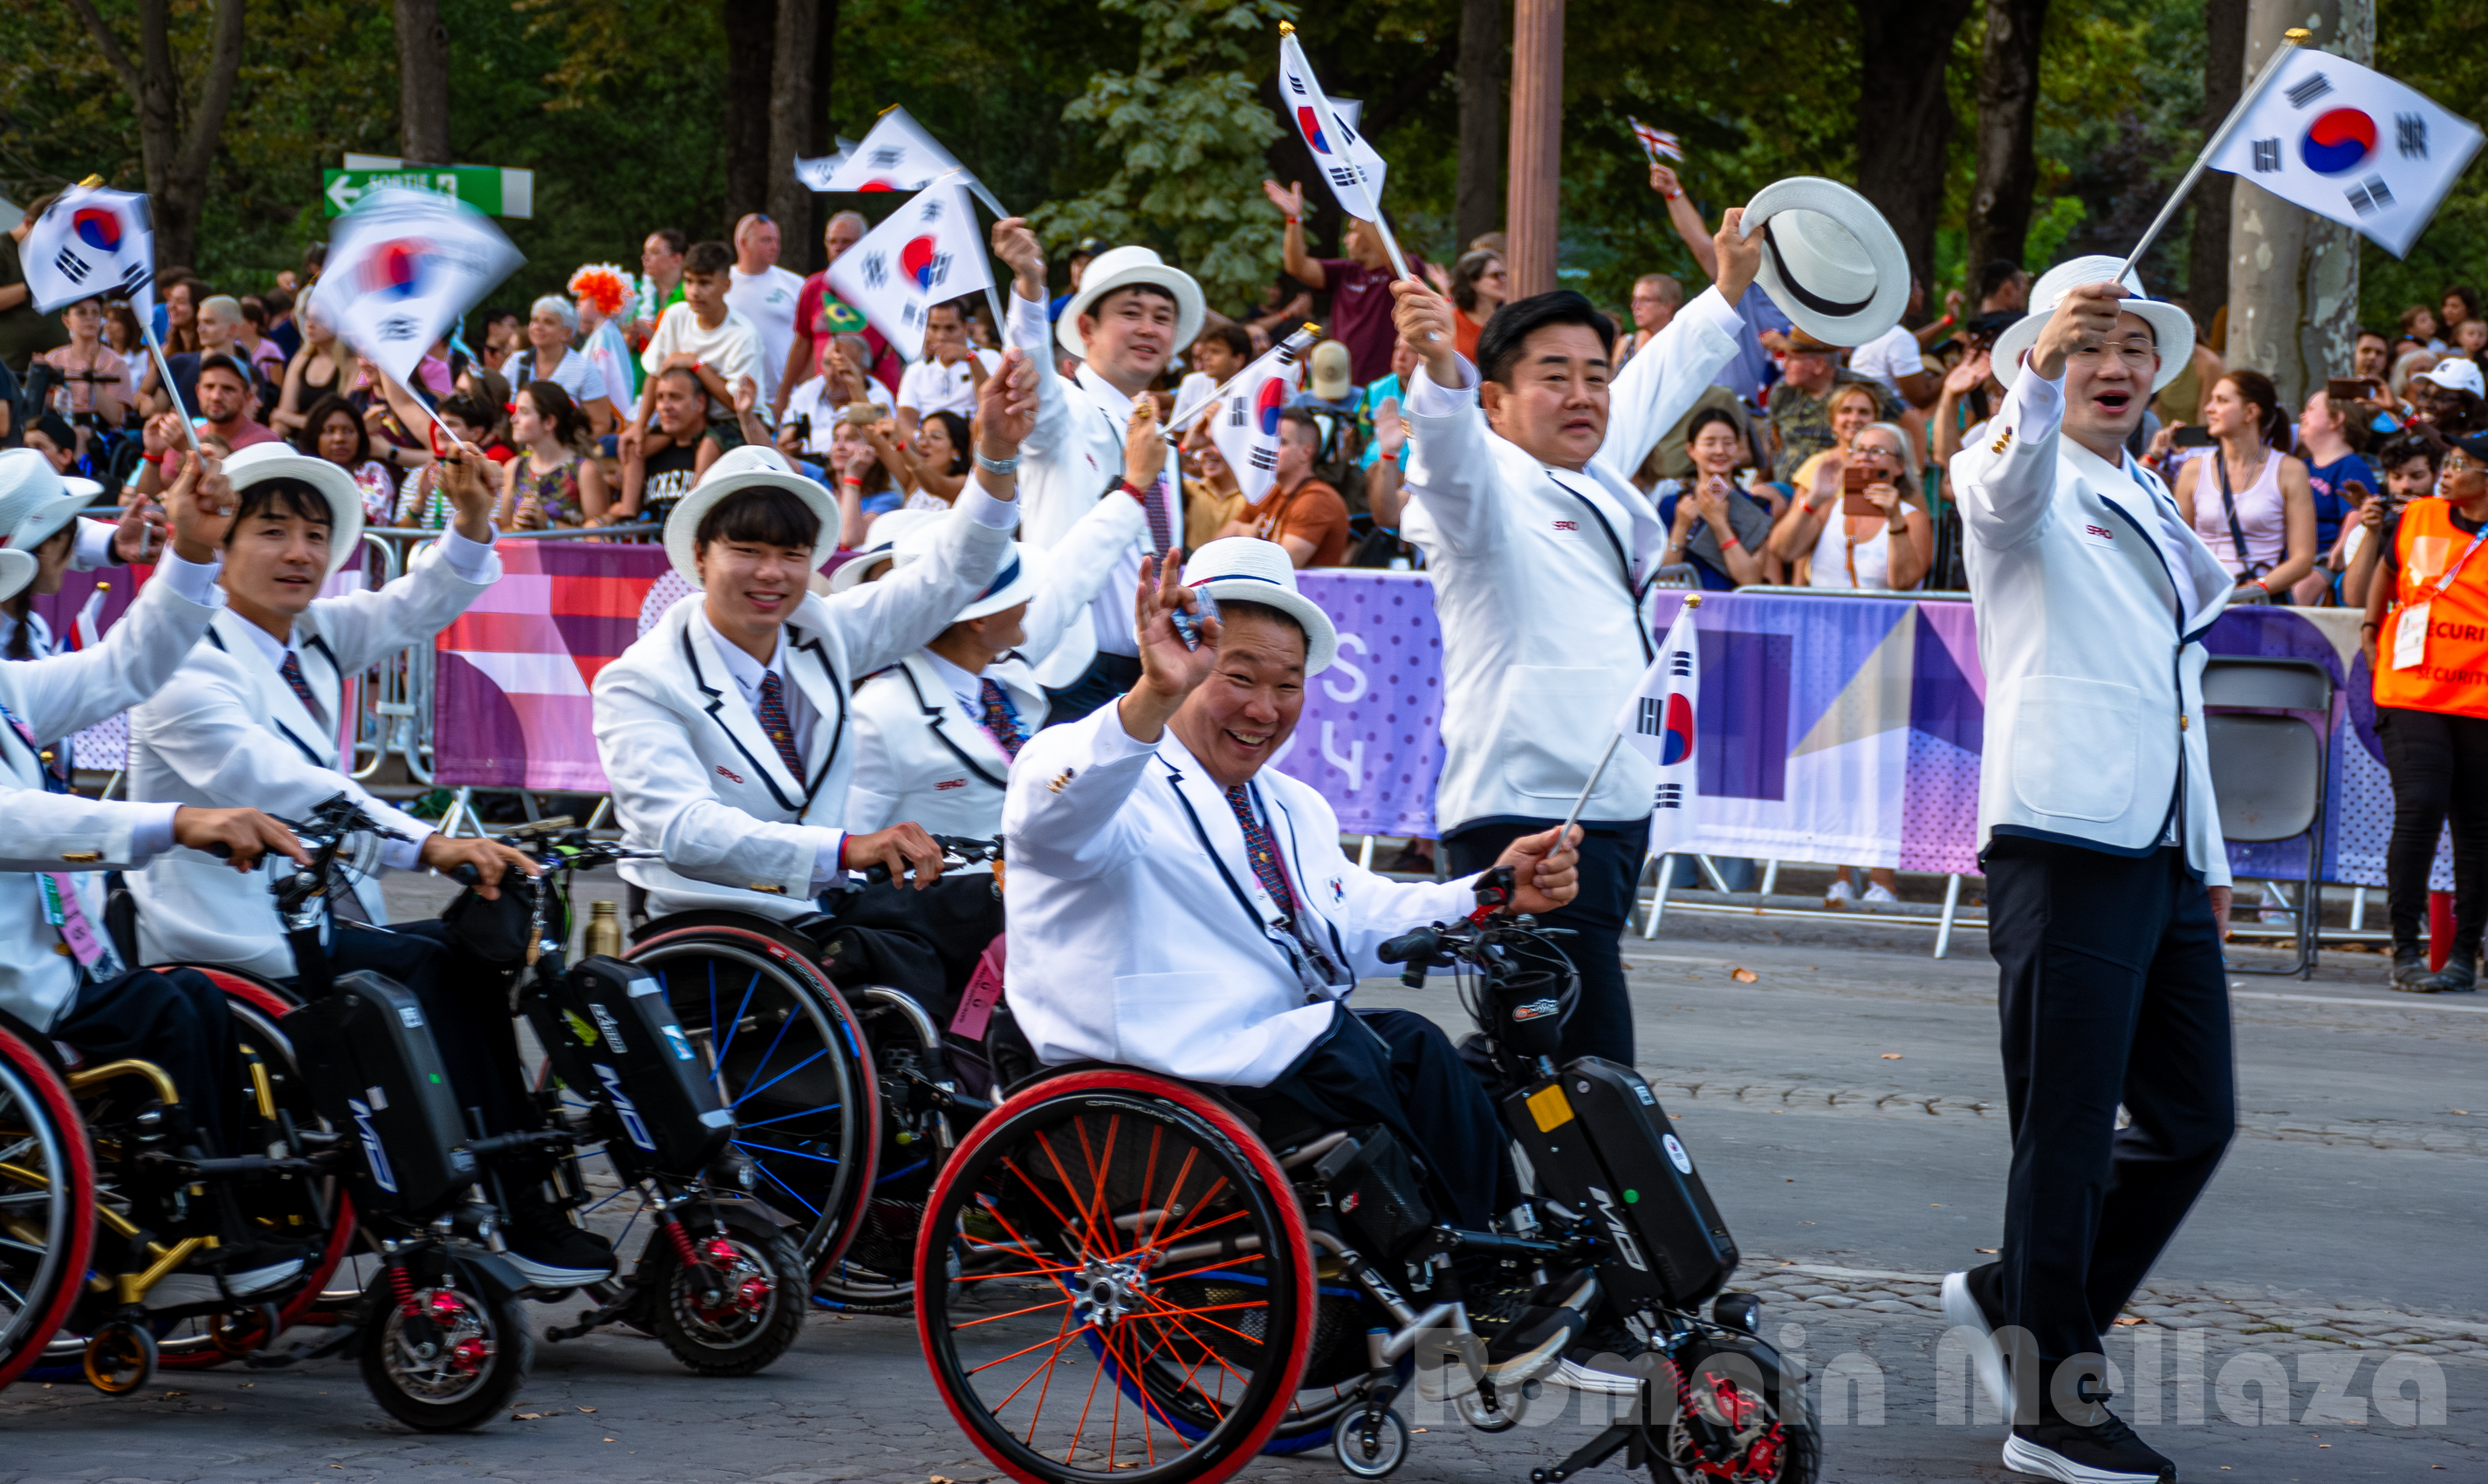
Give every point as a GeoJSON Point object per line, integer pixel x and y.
{"type": "Point", "coordinates": [1179, 905]}
{"type": "Point", "coordinates": [1130, 316]}
{"type": "Point", "coordinates": [2107, 882]}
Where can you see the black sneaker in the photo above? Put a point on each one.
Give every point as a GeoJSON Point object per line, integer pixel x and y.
{"type": "Point", "coordinates": [2410, 974]}
{"type": "Point", "coordinates": [2104, 1452]}
{"type": "Point", "coordinates": [1974, 1302]}
{"type": "Point", "coordinates": [1526, 1333]}
{"type": "Point", "coordinates": [550, 1252]}
{"type": "Point", "coordinates": [249, 1273]}
{"type": "Point", "coordinates": [2459, 975]}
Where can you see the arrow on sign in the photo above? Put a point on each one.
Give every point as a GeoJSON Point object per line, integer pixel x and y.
{"type": "Point", "coordinates": [343, 193]}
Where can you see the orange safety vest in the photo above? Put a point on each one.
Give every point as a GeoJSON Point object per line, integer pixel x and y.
{"type": "Point", "coordinates": [2453, 675]}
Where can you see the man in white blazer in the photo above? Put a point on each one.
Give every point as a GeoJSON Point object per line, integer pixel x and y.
{"type": "Point", "coordinates": [255, 715]}
{"type": "Point", "coordinates": [729, 729]}
{"type": "Point", "coordinates": [935, 733]}
{"type": "Point", "coordinates": [1130, 317]}
{"type": "Point", "coordinates": [1543, 554]}
{"type": "Point", "coordinates": [60, 972]}
{"type": "Point", "coordinates": [1175, 905]}
{"type": "Point", "coordinates": [2107, 882]}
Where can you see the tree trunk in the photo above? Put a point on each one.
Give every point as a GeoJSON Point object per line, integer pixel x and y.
{"type": "Point", "coordinates": [423, 83]}
{"type": "Point", "coordinates": [176, 166]}
{"type": "Point", "coordinates": [1478, 208]}
{"type": "Point", "coordinates": [809, 256]}
{"type": "Point", "coordinates": [750, 36]}
{"type": "Point", "coordinates": [2008, 105]}
{"type": "Point", "coordinates": [1903, 117]}
{"type": "Point", "coordinates": [791, 119]}
{"type": "Point", "coordinates": [2293, 275]}
{"type": "Point", "coordinates": [2224, 65]}
{"type": "Point", "coordinates": [1536, 145]}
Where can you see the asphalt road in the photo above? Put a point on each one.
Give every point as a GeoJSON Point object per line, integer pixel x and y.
{"type": "Point", "coordinates": [2322, 1316]}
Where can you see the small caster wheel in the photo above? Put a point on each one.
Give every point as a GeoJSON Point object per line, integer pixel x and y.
{"type": "Point", "coordinates": [239, 1334]}
{"type": "Point", "coordinates": [1370, 1444]}
{"type": "Point", "coordinates": [119, 1357]}
{"type": "Point", "coordinates": [1511, 1404]}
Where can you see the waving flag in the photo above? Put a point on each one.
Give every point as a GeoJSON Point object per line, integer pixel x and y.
{"type": "Point", "coordinates": [1658, 722]}
{"type": "Point", "coordinates": [91, 241]}
{"type": "Point", "coordinates": [927, 252]}
{"type": "Point", "coordinates": [86, 630]}
{"type": "Point", "coordinates": [1657, 143]}
{"type": "Point", "coordinates": [2349, 144]}
{"type": "Point", "coordinates": [1346, 159]}
{"type": "Point", "coordinates": [403, 266]}
{"type": "Point", "coordinates": [896, 154]}
{"type": "Point", "coordinates": [1245, 424]}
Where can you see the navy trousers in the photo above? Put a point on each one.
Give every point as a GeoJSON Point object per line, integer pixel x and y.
{"type": "Point", "coordinates": [175, 1018]}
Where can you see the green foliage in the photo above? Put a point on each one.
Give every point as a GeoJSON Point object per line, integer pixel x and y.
{"type": "Point", "coordinates": [1188, 132]}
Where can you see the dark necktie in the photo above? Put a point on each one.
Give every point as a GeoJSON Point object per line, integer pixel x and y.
{"type": "Point", "coordinates": [292, 670]}
{"type": "Point", "coordinates": [1002, 718]}
{"type": "Point", "coordinates": [773, 721]}
{"type": "Point", "coordinates": [1161, 530]}
{"type": "Point", "coordinates": [1264, 851]}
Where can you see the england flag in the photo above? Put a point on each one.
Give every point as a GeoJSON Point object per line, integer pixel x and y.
{"type": "Point", "coordinates": [1657, 143]}
{"type": "Point", "coordinates": [927, 252]}
{"type": "Point", "coordinates": [1657, 721]}
{"type": "Point", "coordinates": [2349, 144]}
{"type": "Point", "coordinates": [403, 266]}
{"type": "Point", "coordinates": [896, 154]}
{"type": "Point", "coordinates": [91, 241]}
{"type": "Point", "coordinates": [1345, 159]}
{"type": "Point", "coordinates": [1244, 423]}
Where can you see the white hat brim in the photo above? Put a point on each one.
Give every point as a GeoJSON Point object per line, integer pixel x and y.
{"type": "Point", "coordinates": [1188, 306]}
{"type": "Point", "coordinates": [44, 521]}
{"type": "Point", "coordinates": [1321, 635]}
{"type": "Point", "coordinates": [683, 523]}
{"type": "Point", "coordinates": [16, 569]}
{"type": "Point", "coordinates": [2171, 329]}
{"type": "Point", "coordinates": [337, 487]}
{"type": "Point", "coordinates": [1833, 325]}
{"type": "Point", "coordinates": [1015, 583]}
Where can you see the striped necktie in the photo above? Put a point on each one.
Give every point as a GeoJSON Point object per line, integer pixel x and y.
{"type": "Point", "coordinates": [292, 670]}
{"type": "Point", "coordinates": [1002, 718]}
{"type": "Point", "coordinates": [774, 722]}
{"type": "Point", "coordinates": [1264, 851]}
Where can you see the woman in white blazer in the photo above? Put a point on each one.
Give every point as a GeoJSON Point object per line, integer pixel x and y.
{"type": "Point", "coordinates": [727, 728]}
{"type": "Point", "coordinates": [925, 748]}
{"type": "Point", "coordinates": [2100, 841]}
{"type": "Point", "coordinates": [59, 972]}
{"type": "Point", "coordinates": [1543, 554]}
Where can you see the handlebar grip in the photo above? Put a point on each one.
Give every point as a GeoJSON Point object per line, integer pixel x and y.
{"type": "Point", "coordinates": [220, 850]}
{"type": "Point", "coordinates": [464, 875]}
{"type": "Point", "coordinates": [1416, 944]}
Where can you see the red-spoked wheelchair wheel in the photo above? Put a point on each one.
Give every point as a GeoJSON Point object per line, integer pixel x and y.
{"type": "Point", "coordinates": [1120, 1199]}
{"type": "Point", "coordinates": [47, 1194]}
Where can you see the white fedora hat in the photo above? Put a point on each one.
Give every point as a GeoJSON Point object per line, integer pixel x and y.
{"type": "Point", "coordinates": [1121, 268]}
{"type": "Point", "coordinates": [881, 547]}
{"type": "Point", "coordinates": [752, 465]}
{"type": "Point", "coordinates": [16, 569]}
{"type": "Point", "coordinates": [263, 461]}
{"type": "Point", "coordinates": [1014, 583]}
{"type": "Point", "coordinates": [1246, 568]}
{"type": "Point", "coordinates": [35, 501]}
{"type": "Point", "coordinates": [2171, 327]}
{"type": "Point", "coordinates": [1830, 262]}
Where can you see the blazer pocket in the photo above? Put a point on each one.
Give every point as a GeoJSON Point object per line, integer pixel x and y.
{"type": "Point", "coordinates": [2074, 743]}
{"type": "Point", "coordinates": [1547, 712]}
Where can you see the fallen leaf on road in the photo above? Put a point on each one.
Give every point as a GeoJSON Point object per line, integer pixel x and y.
{"type": "Point", "coordinates": [525, 1416]}
{"type": "Point", "coordinates": [1743, 975]}
{"type": "Point", "coordinates": [1990, 1252]}
{"type": "Point", "coordinates": [2459, 1113]}
{"type": "Point", "coordinates": [1891, 1056]}
{"type": "Point", "coordinates": [588, 1408]}
{"type": "Point", "coordinates": [2127, 1320]}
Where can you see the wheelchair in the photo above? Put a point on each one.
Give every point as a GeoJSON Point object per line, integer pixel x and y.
{"type": "Point", "coordinates": [1170, 1290]}
{"type": "Point", "coordinates": [847, 1107]}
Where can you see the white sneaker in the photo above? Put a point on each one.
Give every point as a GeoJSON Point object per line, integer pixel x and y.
{"type": "Point", "coordinates": [1960, 1310]}
{"type": "Point", "coordinates": [1878, 892]}
{"type": "Point", "coordinates": [184, 1290]}
{"type": "Point", "coordinates": [1580, 1377]}
{"type": "Point", "coordinates": [1841, 894]}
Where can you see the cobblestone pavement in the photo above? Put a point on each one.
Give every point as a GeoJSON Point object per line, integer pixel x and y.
{"type": "Point", "coordinates": [2322, 1316]}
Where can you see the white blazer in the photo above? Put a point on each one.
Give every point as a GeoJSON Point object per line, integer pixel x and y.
{"type": "Point", "coordinates": [1130, 939]}
{"type": "Point", "coordinates": [922, 756]}
{"type": "Point", "coordinates": [1067, 463]}
{"type": "Point", "coordinates": [1541, 581]}
{"type": "Point", "coordinates": [2092, 598]}
{"type": "Point", "coordinates": [54, 697]}
{"type": "Point", "coordinates": [693, 776]}
{"type": "Point", "coordinates": [228, 732]}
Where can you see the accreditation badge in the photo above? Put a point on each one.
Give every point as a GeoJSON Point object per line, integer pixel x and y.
{"type": "Point", "coordinates": [2410, 638]}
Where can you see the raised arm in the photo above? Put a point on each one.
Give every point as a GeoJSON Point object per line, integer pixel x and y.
{"type": "Point", "coordinates": [2006, 484]}
{"type": "Point", "coordinates": [1662, 381]}
{"type": "Point", "coordinates": [1298, 263]}
{"type": "Point", "coordinates": [1688, 222]}
{"type": "Point", "coordinates": [1032, 334]}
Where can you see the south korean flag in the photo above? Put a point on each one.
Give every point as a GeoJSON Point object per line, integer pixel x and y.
{"type": "Point", "coordinates": [91, 242]}
{"type": "Point", "coordinates": [1338, 150]}
{"type": "Point", "coordinates": [1658, 722]}
{"type": "Point", "coordinates": [403, 266]}
{"type": "Point", "coordinates": [896, 154]}
{"type": "Point", "coordinates": [927, 252]}
{"type": "Point", "coordinates": [1244, 421]}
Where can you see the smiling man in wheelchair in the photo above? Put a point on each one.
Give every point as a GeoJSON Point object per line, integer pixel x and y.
{"type": "Point", "coordinates": [1177, 906]}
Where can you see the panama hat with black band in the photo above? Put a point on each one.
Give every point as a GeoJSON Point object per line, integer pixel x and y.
{"type": "Point", "coordinates": [1830, 262]}
{"type": "Point", "coordinates": [261, 463]}
{"type": "Point", "coordinates": [1128, 267]}
{"type": "Point", "coordinates": [754, 466]}
{"type": "Point", "coordinates": [2172, 329]}
{"type": "Point", "coordinates": [1014, 583]}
